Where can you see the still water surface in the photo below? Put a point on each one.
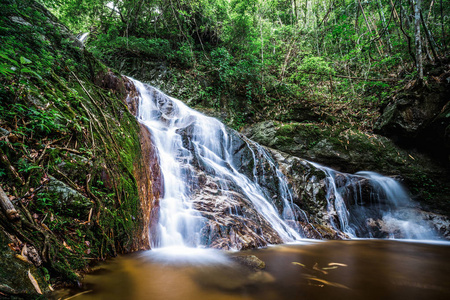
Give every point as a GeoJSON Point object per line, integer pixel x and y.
{"type": "Point", "coordinates": [356, 269]}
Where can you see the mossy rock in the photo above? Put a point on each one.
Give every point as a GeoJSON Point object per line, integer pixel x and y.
{"type": "Point", "coordinates": [64, 200]}
{"type": "Point", "coordinates": [76, 150]}
{"type": "Point", "coordinates": [14, 278]}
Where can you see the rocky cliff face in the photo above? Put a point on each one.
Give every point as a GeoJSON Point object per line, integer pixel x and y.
{"type": "Point", "coordinates": [74, 162]}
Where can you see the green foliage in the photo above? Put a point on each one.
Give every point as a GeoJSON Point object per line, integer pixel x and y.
{"type": "Point", "coordinates": [60, 123]}
{"type": "Point", "coordinates": [36, 121]}
{"type": "Point", "coordinates": [109, 45]}
{"type": "Point", "coordinates": [251, 49]}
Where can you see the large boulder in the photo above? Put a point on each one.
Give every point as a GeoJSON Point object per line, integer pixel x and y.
{"type": "Point", "coordinates": [419, 116]}
{"type": "Point", "coordinates": [232, 220]}
{"type": "Point", "coordinates": [63, 199]}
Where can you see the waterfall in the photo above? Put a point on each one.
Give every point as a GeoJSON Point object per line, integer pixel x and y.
{"type": "Point", "coordinates": [222, 190]}
{"type": "Point", "coordinates": [194, 148]}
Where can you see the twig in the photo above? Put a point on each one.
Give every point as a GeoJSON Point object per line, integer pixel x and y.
{"type": "Point", "coordinates": [87, 111]}
{"type": "Point", "coordinates": [88, 189]}
{"type": "Point", "coordinates": [68, 150]}
{"type": "Point", "coordinates": [71, 183]}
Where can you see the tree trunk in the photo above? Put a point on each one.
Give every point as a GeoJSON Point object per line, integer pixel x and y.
{"type": "Point", "coordinates": [386, 32]}
{"type": "Point", "coordinates": [418, 40]}
{"type": "Point", "coordinates": [407, 37]}
{"type": "Point", "coordinates": [367, 24]}
{"type": "Point", "coordinates": [443, 31]}
{"type": "Point", "coordinates": [429, 37]}
{"type": "Point", "coordinates": [294, 8]}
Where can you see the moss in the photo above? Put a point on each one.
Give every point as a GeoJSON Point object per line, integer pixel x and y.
{"type": "Point", "coordinates": [68, 122]}
{"type": "Point", "coordinates": [284, 140]}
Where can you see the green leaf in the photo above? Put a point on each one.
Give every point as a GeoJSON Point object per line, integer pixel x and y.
{"type": "Point", "coordinates": [9, 59]}
{"type": "Point", "coordinates": [5, 69]}
{"type": "Point", "coordinates": [24, 61]}
{"type": "Point", "coordinates": [27, 70]}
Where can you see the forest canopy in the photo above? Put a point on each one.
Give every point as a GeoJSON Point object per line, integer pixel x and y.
{"type": "Point", "coordinates": [319, 50]}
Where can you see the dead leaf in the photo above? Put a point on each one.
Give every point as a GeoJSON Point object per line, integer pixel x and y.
{"type": "Point", "coordinates": [316, 267]}
{"type": "Point", "coordinates": [12, 246]}
{"type": "Point", "coordinates": [45, 227]}
{"type": "Point", "coordinates": [22, 258]}
{"type": "Point", "coordinates": [334, 284]}
{"type": "Point", "coordinates": [34, 282]}
{"type": "Point", "coordinates": [337, 264]}
{"type": "Point", "coordinates": [67, 246]}
{"type": "Point", "coordinates": [24, 251]}
{"type": "Point", "coordinates": [297, 263]}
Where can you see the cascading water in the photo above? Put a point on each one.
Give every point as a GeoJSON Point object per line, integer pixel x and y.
{"type": "Point", "coordinates": [399, 216]}
{"type": "Point", "coordinates": [225, 191]}
{"type": "Point", "coordinates": [370, 205]}
{"type": "Point", "coordinates": [190, 143]}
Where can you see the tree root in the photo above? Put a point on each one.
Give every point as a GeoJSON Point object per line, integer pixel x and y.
{"type": "Point", "coordinates": [7, 206]}
{"type": "Point", "coordinates": [6, 161]}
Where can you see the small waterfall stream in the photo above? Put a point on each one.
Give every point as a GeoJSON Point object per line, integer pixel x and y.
{"type": "Point", "coordinates": [367, 203]}
{"type": "Point", "coordinates": [225, 191]}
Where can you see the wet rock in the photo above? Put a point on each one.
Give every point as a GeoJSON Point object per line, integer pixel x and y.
{"type": "Point", "coordinates": [308, 185]}
{"type": "Point", "coordinates": [250, 261]}
{"type": "Point", "coordinates": [232, 222]}
{"type": "Point", "coordinates": [132, 99]}
{"type": "Point", "coordinates": [233, 278]}
{"type": "Point", "coordinates": [439, 222]}
{"type": "Point", "coordinates": [261, 277]}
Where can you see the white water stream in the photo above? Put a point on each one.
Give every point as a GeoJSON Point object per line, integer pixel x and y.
{"type": "Point", "coordinates": [388, 200]}
{"type": "Point", "coordinates": [179, 223]}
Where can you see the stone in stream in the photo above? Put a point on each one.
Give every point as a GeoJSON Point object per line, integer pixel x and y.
{"type": "Point", "coordinates": [250, 261]}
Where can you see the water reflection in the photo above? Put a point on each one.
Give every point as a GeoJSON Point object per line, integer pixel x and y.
{"type": "Point", "coordinates": [361, 269]}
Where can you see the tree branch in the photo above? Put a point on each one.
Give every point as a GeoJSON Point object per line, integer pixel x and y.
{"type": "Point", "coordinates": [353, 78]}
